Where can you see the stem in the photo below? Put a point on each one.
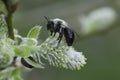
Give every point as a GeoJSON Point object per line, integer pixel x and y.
{"type": "Point", "coordinates": [9, 20]}
{"type": "Point", "coordinates": [10, 25]}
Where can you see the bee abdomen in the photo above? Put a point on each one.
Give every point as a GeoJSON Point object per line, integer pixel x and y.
{"type": "Point", "coordinates": [69, 36]}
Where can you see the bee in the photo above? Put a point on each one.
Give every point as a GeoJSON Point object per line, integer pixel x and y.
{"type": "Point", "coordinates": [60, 26]}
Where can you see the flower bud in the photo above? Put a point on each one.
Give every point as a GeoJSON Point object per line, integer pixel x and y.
{"type": "Point", "coordinates": [5, 60]}
{"type": "Point", "coordinates": [11, 5]}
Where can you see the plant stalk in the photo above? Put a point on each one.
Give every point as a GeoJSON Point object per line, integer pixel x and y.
{"type": "Point", "coordinates": [10, 26]}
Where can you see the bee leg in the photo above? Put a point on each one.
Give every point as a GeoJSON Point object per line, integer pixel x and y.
{"type": "Point", "coordinates": [51, 33]}
{"type": "Point", "coordinates": [59, 39]}
{"type": "Point", "coordinates": [60, 35]}
{"type": "Point", "coordinates": [54, 34]}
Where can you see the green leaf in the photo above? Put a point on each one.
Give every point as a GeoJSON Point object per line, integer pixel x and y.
{"type": "Point", "coordinates": [15, 75]}
{"type": "Point", "coordinates": [29, 41]}
{"type": "Point", "coordinates": [6, 74]}
{"type": "Point", "coordinates": [23, 50]}
{"type": "Point", "coordinates": [34, 32]}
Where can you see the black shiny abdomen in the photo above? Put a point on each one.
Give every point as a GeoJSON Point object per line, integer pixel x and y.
{"type": "Point", "coordinates": [69, 36]}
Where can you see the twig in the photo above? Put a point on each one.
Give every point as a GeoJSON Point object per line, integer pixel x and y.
{"type": "Point", "coordinates": [10, 25]}
{"type": "Point", "coordinates": [9, 20]}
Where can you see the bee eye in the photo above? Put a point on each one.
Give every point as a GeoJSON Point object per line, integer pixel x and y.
{"type": "Point", "coordinates": [50, 25]}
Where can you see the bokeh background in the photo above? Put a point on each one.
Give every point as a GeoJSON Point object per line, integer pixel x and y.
{"type": "Point", "coordinates": [101, 48]}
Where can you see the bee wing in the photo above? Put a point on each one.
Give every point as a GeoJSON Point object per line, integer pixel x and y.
{"type": "Point", "coordinates": [74, 31]}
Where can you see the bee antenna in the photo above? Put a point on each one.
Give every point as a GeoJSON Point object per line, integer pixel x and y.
{"type": "Point", "coordinates": [46, 18]}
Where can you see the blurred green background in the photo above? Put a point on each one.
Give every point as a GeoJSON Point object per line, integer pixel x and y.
{"type": "Point", "coordinates": [102, 51]}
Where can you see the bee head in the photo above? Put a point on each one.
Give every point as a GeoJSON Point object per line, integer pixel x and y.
{"type": "Point", "coordinates": [50, 24]}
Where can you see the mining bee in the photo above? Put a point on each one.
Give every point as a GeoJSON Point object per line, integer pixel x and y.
{"type": "Point", "coordinates": [60, 26]}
